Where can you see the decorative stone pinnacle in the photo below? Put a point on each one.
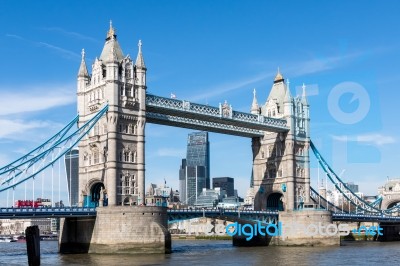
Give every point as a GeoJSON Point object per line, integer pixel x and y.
{"type": "Point", "coordinates": [140, 46]}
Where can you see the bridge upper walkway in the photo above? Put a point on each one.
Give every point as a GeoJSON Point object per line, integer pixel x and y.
{"type": "Point", "coordinates": [222, 119]}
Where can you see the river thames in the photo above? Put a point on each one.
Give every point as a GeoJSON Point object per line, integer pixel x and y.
{"type": "Point", "coordinates": [211, 252]}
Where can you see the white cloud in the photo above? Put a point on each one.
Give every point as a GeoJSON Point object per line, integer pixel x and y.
{"type": "Point", "coordinates": [171, 152]}
{"type": "Point", "coordinates": [71, 34]}
{"type": "Point", "coordinates": [371, 138]}
{"type": "Point", "coordinates": [293, 70]}
{"type": "Point", "coordinates": [63, 52]}
{"type": "Point", "coordinates": [35, 98]}
{"type": "Point", "coordinates": [11, 128]}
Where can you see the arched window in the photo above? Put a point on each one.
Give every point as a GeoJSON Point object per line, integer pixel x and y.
{"type": "Point", "coordinates": [126, 156]}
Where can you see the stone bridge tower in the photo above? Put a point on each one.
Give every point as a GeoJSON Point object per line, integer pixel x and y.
{"type": "Point", "coordinates": [281, 164]}
{"type": "Point", "coordinates": [111, 157]}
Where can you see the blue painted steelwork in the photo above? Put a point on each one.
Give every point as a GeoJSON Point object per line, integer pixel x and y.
{"type": "Point", "coordinates": [24, 159]}
{"type": "Point", "coordinates": [43, 156]}
{"type": "Point", "coordinates": [183, 214]}
{"type": "Point", "coordinates": [342, 187]}
{"type": "Point", "coordinates": [21, 213]}
{"type": "Point", "coordinates": [316, 197]}
{"type": "Point", "coordinates": [364, 217]}
{"type": "Point", "coordinates": [203, 125]}
{"type": "Point", "coordinates": [161, 110]}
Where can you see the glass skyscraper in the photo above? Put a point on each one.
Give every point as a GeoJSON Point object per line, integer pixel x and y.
{"type": "Point", "coordinates": [194, 174]}
{"type": "Point", "coordinates": [72, 169]}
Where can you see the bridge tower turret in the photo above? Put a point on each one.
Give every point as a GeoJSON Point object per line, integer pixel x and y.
{"type": "Point", "coordinates": [111, 158]}
{"type": "Point", "coordinates": [281, 161]}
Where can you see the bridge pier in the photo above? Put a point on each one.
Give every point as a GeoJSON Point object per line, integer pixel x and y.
{"type": "Point", "coordinates": [117, 229]}
{"type": "Point", "coordinates": [307, 228]}
{"type": "Point", "coordinates": [390, 232]}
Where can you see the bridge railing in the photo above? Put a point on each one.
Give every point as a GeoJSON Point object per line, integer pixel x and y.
{"type": "Point", "coordinates": [220, 112]}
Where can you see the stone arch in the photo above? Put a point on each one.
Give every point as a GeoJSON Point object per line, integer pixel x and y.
{"type": "Point", "coordinates": [96, 194]}
{"type": "Point", "coordinates": [390, 203]}
{"type": "Point", "coordinates": [275, 201]}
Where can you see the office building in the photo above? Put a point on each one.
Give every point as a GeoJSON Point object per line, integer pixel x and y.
{"type": "Point", "coordinates": [72, 169]}
{"type": "Point", "coordinates": [194, 173]}
{"type": "Point", "coordinates": [225, 183]}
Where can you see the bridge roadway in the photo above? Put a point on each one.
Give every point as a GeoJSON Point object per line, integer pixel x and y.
{"type": "Point", "coordinates": [184, 214]}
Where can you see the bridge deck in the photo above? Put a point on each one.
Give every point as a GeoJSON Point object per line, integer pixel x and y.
{"type": "Point", "coordinates": [29, 213]}
{"type": "Point", "coordinates": [183, 214]}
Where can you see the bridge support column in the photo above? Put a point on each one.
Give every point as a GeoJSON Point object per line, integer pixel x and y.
{"type": "Point", "coordinates": [118, 229]}
{"type": "Point", "coordinates": [391, 232]}
{"type": "Point", "coordinates": [307, 228]}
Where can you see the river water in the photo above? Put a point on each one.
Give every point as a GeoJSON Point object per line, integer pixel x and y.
{"type": "Point", "coordinates": [211, 252]}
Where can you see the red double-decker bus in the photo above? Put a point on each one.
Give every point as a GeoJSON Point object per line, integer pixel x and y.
{"type": "Point", "coordinates": [39, 203]}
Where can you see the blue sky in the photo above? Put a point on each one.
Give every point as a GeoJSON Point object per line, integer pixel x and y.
{"type": "Point", "coordinates": [346, 52]}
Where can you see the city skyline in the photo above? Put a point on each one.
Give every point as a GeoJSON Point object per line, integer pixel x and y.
{"type": "Point", "coordinates": [210, 60]}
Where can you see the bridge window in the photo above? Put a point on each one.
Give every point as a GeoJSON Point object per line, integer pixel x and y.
{"type": "Point", "coordinates": [120, 127]}
{"type": "Point", "coordinates": [273, 112]}
{"type": "Point", "coordinates": [126, 156]}
{"type": "Point", "coordinates": [126, 129]}
{"type": "Point", "coordinates": [120, 156]}
{"type": "Point", "coordinates": [90, 159]}
{"type": "Point", "coordinates": [96, 157]}
{"type": "Point", "coordinates": [128, 73]}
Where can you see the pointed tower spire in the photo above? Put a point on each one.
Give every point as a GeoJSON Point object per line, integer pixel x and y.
{"type": "Point", "coordinates": [111, 34]}
{"type": "Point", "coordinates": [139, 58]}
{"type": "Point", "coordinates": [303, 96]}
{"type": "Point", "coordinates": [112, 52]}
{"type": "Point", "coordinates": [83, 72]}
{"type": "Point", "coordinates": [254, 106]}
{"type": "Point", "coordinates": [278, 77]}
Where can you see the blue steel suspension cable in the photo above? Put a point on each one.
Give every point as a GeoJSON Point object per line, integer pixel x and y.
{"type": "Point", "coordinates": [81, 132]}
{"type": "Point", "coordinates": [60, 134]}
{"type": "Point", "coordinates": [41, 155]}
{"type": "Point", "coordinates": [328, 170]}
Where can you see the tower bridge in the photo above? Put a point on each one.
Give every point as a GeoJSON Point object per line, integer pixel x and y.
{"type": "Point", "coordinates": [114, 107]}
